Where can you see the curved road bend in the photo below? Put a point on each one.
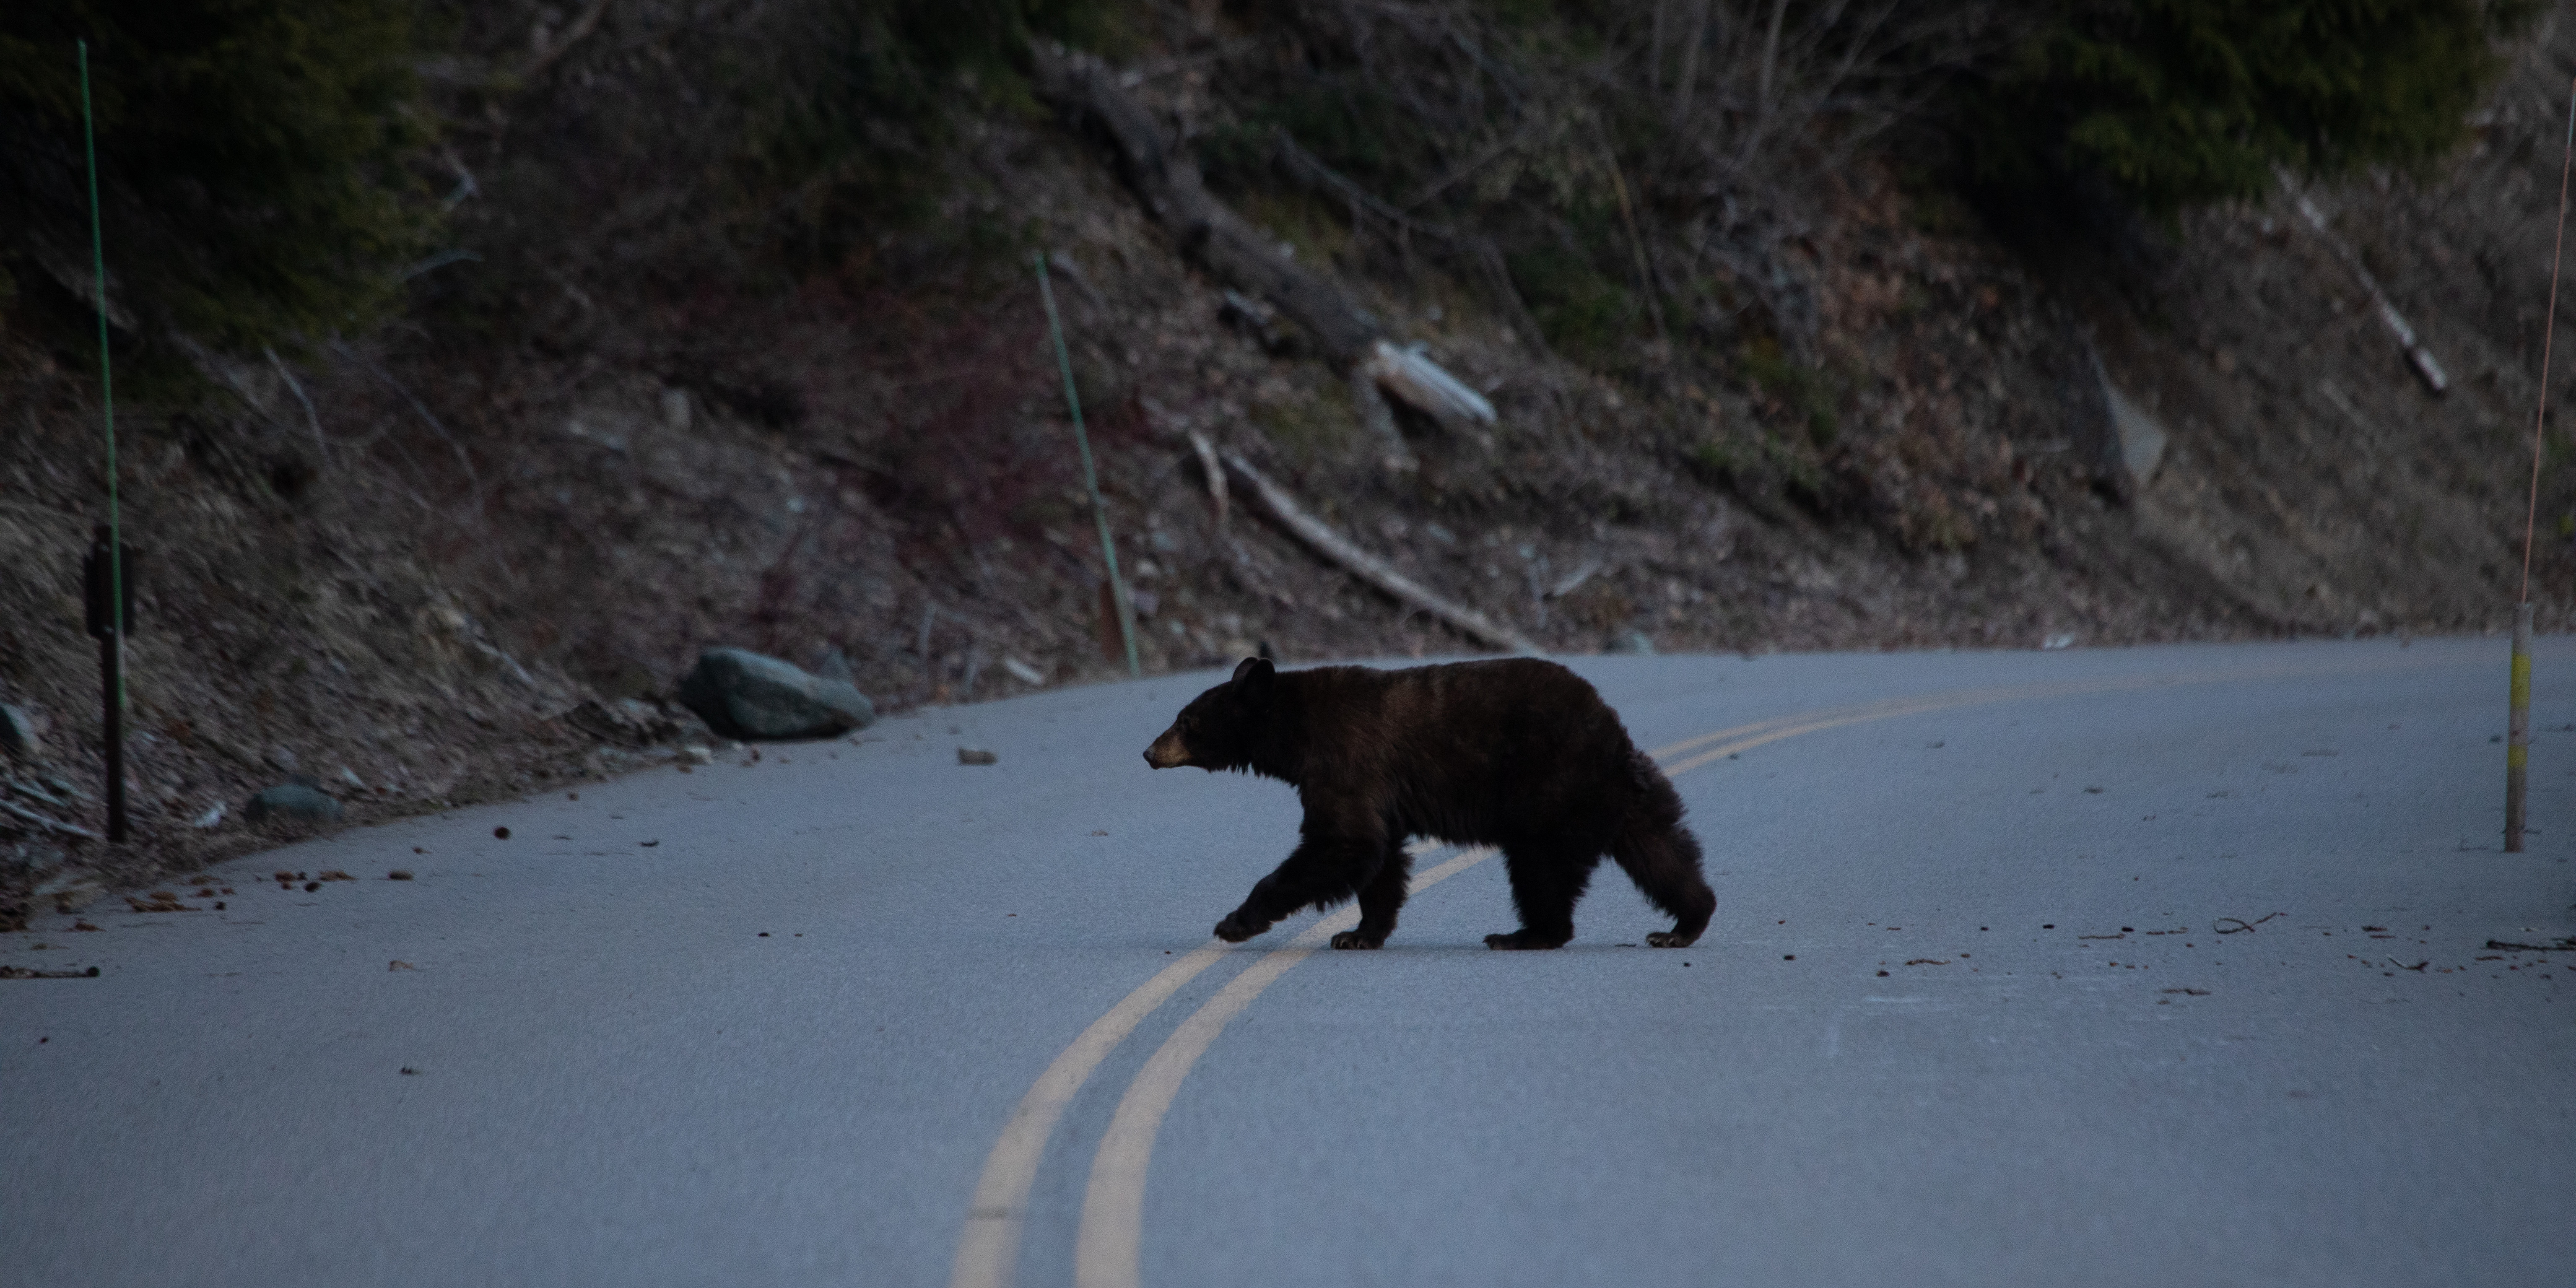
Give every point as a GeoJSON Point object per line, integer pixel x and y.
{"type": "Point", "coordinates": [769, 1024]}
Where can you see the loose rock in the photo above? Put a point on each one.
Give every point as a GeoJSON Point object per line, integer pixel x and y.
{"type": "Point", "coordinates": [626, 720]}
{"type": "Point", "coordinates": [742, 694]}
{"type": "Point", "coordinates": [19, 735]}
{"type": "Point", "coordinates": [70, 891]}
{"type": "Point", "coordinates": [292, 800]}
{"type": "Point", "coordinates": [976, 756]}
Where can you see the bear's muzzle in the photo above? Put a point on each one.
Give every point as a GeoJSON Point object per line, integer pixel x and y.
{"type": "Point", "coordinates": [1168, 751]}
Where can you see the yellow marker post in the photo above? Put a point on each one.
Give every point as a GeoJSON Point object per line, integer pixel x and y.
{"type": "Point", "coordinates": [2517, 747]}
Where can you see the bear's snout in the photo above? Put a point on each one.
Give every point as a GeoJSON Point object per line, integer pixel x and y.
{"type": "Point", "coordinates": [1168, 751]}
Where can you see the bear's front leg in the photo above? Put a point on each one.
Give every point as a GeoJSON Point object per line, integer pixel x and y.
{"type": "Point", "coordinates": [1240, 925]}
{"type": "Point", "coordinates": [1319, 871]}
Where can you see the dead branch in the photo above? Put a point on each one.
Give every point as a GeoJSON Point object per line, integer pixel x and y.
{"type": "Point", "coordinates": [49, 824]}
{"type": "Point", "coordinates": [1215, 474]}
{"type": "Point", "coordinates": [1366, 382]}
{"type": "Point", "coordinates": [296, 387]}
{"type": "Point", "coordinates": [558, 46]}
{"type": "Point", "coordinates": [1167, 182]}
{"type": "Point", "coordinates": [473, 480]}
{"type": "Point", "coordinates": [1062, 265]}
{"type": "Point", "coordinates": [1332, 545]}
{"type": "Point", "coordinates": [1477, 250]}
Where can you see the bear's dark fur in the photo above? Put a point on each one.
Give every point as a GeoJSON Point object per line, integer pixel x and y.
{"type": "Point", "coordinates": [1518, 754]}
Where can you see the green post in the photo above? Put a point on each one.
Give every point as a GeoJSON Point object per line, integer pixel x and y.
{"type": "Point", "coordinates": [1090, 479]}
{"type": "Point", "coordinates": [112, 648]}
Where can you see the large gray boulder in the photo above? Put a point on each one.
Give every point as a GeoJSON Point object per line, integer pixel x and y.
{"type": "Point", "coordinates": [742, 694]}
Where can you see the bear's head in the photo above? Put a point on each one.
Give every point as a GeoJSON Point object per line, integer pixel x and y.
{"type": "Point", "coordinates": [1215, 731]}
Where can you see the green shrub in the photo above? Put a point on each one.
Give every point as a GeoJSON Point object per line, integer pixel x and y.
{"type": "Point", "coordinates": [250, 157]}
{"type": "Point", "coordinates": [2180, 102]}
{"type": "Point", "coordinates": [1585, 313]}
{"type": "Point", "coordinates": [1806, 392]}
{"type": "Point", "coordinates": [847, 104]}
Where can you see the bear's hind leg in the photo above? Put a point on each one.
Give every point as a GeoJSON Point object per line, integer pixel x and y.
{"type": "Point", "coordinates": [1380, 899]}
{"type": "Point", "coordinates": [1665, 865]}
{"type": "Point", "coordinates": [1545, 884]}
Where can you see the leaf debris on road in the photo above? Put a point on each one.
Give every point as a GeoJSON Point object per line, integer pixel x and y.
{"type": "Point", "coordinates": [2220, 925]}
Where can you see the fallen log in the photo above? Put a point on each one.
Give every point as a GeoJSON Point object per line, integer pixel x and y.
{"type": "Point", "coordinates": [2418, 356]}
{"type": "Point", "coordinates": [1167, 182]}
{"type": "Point", "coordinates": [1320, 537]}
{"type": "Point", "coordinates": [1420, 383]}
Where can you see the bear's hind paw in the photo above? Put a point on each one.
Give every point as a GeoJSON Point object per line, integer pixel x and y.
{"type": "Point", "coordinates": [1519, 941]}
{"type": "Point", "coordinates": [1354, 939]}
{"type": "Point", "coordinates": [1670, 939]}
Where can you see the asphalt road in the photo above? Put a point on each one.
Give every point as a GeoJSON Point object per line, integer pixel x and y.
{"type": "Point", "coordinates": [1966, 1016]}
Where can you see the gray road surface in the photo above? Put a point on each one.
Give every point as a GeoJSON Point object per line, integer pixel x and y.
{"type": "Point", "coordinates": [1934, 1037]}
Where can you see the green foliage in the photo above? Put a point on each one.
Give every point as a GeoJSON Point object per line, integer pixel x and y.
{"type": "Point", "coordinates": [250, 156]}
{"type": "Point", "coordinates": [1806, 391]}
{"type": "Point", "coordinates": [1576, 282]}
{"type": "Point", "coordinates": [1311, 429]}
{"type": "Point", "coordinates": [2179, 102]}
{"type": "Point", "coordinates": [1343, 118]}
{"type": "Point", "coordinates": [848, 120]}
{"type": "Point", "coordinates": [1585, 313]}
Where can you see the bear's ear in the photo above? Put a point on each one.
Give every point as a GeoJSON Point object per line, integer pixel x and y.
{"type": "Point", "coordinates": [1253, 674]}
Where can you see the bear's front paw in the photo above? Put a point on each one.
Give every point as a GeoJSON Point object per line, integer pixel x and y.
{"type": "Point", "coordinates": [1236, 927]}
{"type": "Point", "coordinates": [1520, 940]}
{"type": "Point", "coordinates": [1354, 939]}
{"type": "Point", "coordinates": [1669, 939]}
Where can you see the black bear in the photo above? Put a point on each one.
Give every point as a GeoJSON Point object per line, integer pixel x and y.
{"type": "Point", "coordinates": [1519, 754]}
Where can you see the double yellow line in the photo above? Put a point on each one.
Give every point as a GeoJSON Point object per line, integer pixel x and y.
{"type": "Point", "coordinates": [1111, 1233]}
{"type": "Point", "coordinates": [1113, 1204]}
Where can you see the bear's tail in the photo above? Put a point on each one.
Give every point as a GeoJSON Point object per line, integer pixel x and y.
{"type": "Point", "coordinates": [1660, 854]}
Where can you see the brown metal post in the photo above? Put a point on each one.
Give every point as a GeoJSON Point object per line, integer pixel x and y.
{"type": "Point", "coordinates": [2517, 751]}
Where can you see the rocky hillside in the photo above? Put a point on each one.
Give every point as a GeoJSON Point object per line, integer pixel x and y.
{"type": "Point", "coordinates": [605, 436]}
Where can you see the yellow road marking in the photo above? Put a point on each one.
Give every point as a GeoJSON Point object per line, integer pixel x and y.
{"type": "Point", "coordinates": [988, 1251]}
{"type": "Point", "coordinates": [1112, 1226]}
{"type": "Point", "coordinates": [1113, 1209]}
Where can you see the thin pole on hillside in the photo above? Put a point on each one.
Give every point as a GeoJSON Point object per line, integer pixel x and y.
{"type": "Point", "coordinates": [112, 642]}
{"type": "Point", "coordinates": [1090, 479]}
{"type": "Point", "coordinates": [2517, 755]}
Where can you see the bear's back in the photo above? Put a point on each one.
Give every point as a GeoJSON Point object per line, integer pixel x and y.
{"type": "Point", "coordinates": [1481, 751]}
